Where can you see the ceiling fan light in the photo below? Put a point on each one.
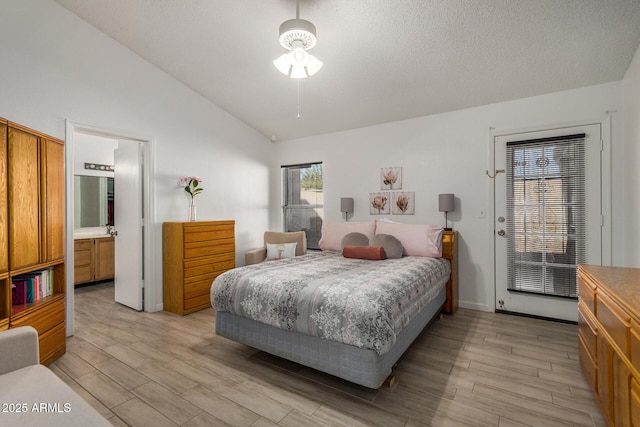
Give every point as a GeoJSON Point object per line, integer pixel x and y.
{"type": "Point", "coordinates": [314, 65]}
{"type": "Point", "coordinates": [298, 73]}
{"type": "Point", "coordinates": [297, 36]}
{"type": "Point", "coordinates": [283, 64]}
{"type": "Point", "coordinates": [299, 57]}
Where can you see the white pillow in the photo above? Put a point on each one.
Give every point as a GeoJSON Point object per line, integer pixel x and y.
{"type": "Point", "coordinates": [416, 239]}
{"type": "Point", "coordinates": [281, 250]}
{"type": "Point", "coordinates": [333, 232]}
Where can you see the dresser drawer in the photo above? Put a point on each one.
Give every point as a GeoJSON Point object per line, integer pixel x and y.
{"type": "Point", "coordinates": [614, 321]}
{"type": "Point", "coordinates": [206, 248]}
{"type": "Point", "coordinates": [209, 265]}
{"type": "Point", "coordinates": [197, 285]}
{"type": "Point", "coordinates": [208, 232]}
{"type": "Point", "coordinates": [44, 318]}
{"type": "Point", "coordinates": [82, 245]}
{"type": "Point", "coordinates": [52, 344]}
{"type": "Point", "coordinates": [199, 302]}
{"type": "Point", "coordinates": [587, 292]}
{"type": "Point", "coordinates": [587, 329]}
{"type": "Point", "coordinates": [82, 258]}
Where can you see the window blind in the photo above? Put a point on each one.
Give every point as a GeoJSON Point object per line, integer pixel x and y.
{"type": "Point", "coordinates": [546, 211]}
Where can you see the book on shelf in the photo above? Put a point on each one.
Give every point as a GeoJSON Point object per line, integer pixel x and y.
{"type": "Point", "coordinates": [18, 292]}
{"type": "Point", "coordinates": [31, 287]}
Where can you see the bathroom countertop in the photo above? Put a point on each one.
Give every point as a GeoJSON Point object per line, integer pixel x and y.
{"type": "Point", "coordinates": [90, 233]}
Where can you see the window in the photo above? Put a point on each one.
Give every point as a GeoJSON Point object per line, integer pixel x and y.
{"type": "Point", "coordinates": [303, 200]}
{"type": "Point", "coordinates": [546, 200]}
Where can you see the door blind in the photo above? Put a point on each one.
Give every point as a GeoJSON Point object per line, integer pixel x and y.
{"type": "Point", "coordinates": [546, 211]}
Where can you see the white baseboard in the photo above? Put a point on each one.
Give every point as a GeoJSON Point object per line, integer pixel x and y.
{"type": "Point", "coordinates": [475, 306]}
{"type": "Point", "coordinates": [157, 307]}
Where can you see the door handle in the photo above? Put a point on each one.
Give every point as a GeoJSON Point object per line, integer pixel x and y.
{"type": "Point", "coordinates": [501, 233]}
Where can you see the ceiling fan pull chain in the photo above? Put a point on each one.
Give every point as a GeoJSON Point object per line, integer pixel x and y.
{"type": "Point", "coordinates": [298, 81]}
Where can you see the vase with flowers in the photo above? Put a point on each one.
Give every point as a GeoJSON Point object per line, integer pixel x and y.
{"type": "Point", "coordinates": [192, 187]}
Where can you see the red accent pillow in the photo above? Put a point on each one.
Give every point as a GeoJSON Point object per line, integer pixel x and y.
{"type": "Point", "coordinates": [364, 252]}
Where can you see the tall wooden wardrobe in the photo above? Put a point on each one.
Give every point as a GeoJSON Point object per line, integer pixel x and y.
{"type": "Point", "coordinates": [32, 223]}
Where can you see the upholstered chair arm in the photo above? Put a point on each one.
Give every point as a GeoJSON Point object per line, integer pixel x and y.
{"type": "Point", "coordinates": [18, 349]}
{"type": "Point", "coordinates": [254, 256]}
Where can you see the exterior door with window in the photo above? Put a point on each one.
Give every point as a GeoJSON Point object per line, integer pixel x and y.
{"type": "Point", "coordinates": [548, 218]}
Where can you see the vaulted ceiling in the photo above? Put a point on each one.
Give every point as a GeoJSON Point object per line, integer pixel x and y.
{"type": "Point", "coordinates": [384, 60]}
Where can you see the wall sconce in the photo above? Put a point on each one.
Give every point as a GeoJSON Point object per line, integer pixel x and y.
{"type": "Point", "coordinates": [446, 204]}
{"type": "Point", "coordinates": [346, 206]}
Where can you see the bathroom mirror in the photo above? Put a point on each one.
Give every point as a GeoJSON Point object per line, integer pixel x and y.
{"type": "Point", "coordinates": [92, 201]}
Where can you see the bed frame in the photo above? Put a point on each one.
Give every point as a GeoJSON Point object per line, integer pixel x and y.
{"type": "Point", "coordinates": [358, 365]}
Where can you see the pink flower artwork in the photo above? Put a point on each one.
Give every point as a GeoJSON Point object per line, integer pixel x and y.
{"type": "Point", "coordinates": [379, 203]}
{"type": "Point", "coordinates": [403, 203]}
{"type": "Point", "coordinates": [391, 178]}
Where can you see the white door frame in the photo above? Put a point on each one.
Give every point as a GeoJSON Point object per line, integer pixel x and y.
{"type": "Point", "coordinates": [150, 281]}
{"type": "Point", "coordinates": [606, 127]}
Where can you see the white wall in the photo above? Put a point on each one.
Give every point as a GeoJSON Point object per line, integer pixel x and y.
{"type": "Point", "coordinates": [631, 114]}
{"type": "Point", "coordinates": [448, 153]}
{"type": "Point", "coordinates": [57, 67]}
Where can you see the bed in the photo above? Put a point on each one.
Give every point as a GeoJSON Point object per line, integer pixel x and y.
{"type": "Point", "coordinates": [351, 318]}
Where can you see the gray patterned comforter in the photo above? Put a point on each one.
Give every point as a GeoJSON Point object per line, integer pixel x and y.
{"type": "Point", "coordinates": [351, 301]}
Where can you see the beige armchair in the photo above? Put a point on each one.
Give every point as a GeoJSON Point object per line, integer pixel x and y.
{"type": "Point", "coordinates": [257, 255]}
{"type": "Point", "coordinates": [26, 386]}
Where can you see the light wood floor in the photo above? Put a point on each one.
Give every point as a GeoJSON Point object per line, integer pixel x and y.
{"type": "Point", "coordinates": [472, 368]}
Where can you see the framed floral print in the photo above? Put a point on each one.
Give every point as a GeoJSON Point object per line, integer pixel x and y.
{"type": "Point", "coordinates": [391, 178]}
{"type": "Point", "coordinates": [403, 203]}
{"type": "Point", "coordinates": [379, 203]}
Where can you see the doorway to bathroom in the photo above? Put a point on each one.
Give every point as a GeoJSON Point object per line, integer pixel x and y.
{"type": "Point", "coordinates": [107, 218]}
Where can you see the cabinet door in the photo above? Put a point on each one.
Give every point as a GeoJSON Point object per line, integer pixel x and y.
{"type": "Point", "coordinates": [621, 392]}
{"type": "Point", "coordinates": [24, 199]}
{"type": "Point", "coordinates": [52, 200]}
{"type": "Point", "coordinates": [104, 261]}
{"type": "Point", "coordinates": [605, 377]}
{"type": "Point", "coordinates": [635, 403]}
{"type": "Point", "coordinates": [4, 242]}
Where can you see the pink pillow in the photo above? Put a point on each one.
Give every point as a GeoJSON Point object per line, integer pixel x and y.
{"type": "Point", "coordinates": [333, 232]}
{"type": "Point", "coordinates": [375, 253]}
{"type": "Point", "coordinates": [417, 239]}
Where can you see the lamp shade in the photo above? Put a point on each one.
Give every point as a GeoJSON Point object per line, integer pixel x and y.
{"type": "Point", "coordinates": [346, 204]}
{"type": "Point", "coordinates": [446, 202]}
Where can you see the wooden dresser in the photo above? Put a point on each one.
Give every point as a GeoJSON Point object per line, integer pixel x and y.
{"type": "Point", "coordinates": [194, 253]}
{"type": "Point", "coordinates": [609, 339]}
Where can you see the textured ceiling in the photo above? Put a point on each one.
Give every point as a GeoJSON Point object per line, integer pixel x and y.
{"type": "Point", "coordinates": [384, 60]}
